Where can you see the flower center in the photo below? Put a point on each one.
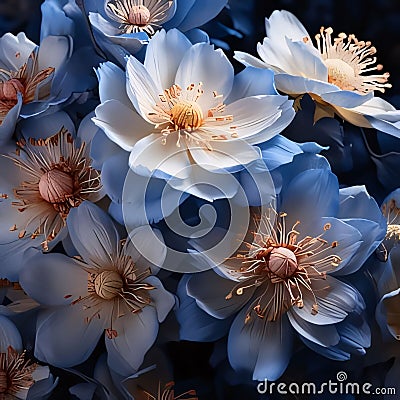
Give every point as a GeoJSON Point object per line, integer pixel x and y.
{"type": "Point", "coordinates": [347, 59]}
{"type": "Point", "coordinates": [179, 111]}
{"type": "Point", "coordinates": [139, 16]}
{"type": "Point", "coordinates": [56, 186]}
{"type": "Point", "coordinates": [108, 284]}
{"type": "Point", "coordinates": [3, 381]}
{"type": "Point", "coordinates": [60, 175]}
{"type": "Point", "coordinates": [186, 115]}
{"type": "Point", "coordinates": [120, 284]}
{"type": "Point", "coordinates": [280, 268]}
{"type": "Point", "coordinates": [282, 262]}
{"type": "Point", "coordinates": [9, 90]}
{"type": "Point", "coordinates": [15, 373]}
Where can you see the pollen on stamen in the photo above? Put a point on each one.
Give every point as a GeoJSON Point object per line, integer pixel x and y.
{"type": "Point", "coordinates": [281, 267]}
{"type": "Point", "coordinates": [348, 59]}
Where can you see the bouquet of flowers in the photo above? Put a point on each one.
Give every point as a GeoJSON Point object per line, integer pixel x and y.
{"type": "Point", "coordinates": [183, 220]}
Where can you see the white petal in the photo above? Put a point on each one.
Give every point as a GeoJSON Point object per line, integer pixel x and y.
{"type": "Point", "coordinates": [251, 115]}
{"type": "Point", "coordinates": [224, 154]}
{"type": "Point", "coordinates": [121, 124]}
{"type": "Point", "coordinates": [309, 61]}
{"type": "Point", "coordinates": [248, 60]}
{"type": "Point", "coordinates": [196, 67]}
{"type": "Point", "coordinates": [151, 154]}
{"type": "Point", "coordinates": [15, 50]}
{"type": "Point", "coordinates": [142, 90]}
{"type": "Point", "coordinates": [159, 62]}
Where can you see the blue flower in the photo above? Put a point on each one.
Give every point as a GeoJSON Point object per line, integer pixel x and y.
{"type": "Point", "coordinates": [65, 18]}
{"type": "Point", "coordinates": [45, 174]}
{"type": "Point", "coordinates": [333, 73]}
{"type": "Point", "coordinates": [31, 77]}
{"type": "Point", "coordinates": [111, 288]}
{"type": "Point", "coordinates": [130, 24]}
{"type": "Point", "coordinates": [284, 277]}
{"type": "Point", "coordinates": [20, 378]}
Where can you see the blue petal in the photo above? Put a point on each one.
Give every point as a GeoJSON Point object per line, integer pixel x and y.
{"type": "Point", "coordinates": [195, 324]}
{"type": "Point", "coordinates": [210, 291]}
{"type": "Point", "coordinates": [93, 233]}
{"type": "Point", "coordinates": [260, 346]}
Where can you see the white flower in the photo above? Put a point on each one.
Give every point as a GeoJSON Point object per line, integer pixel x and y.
{"type": "Point", "coordinates": [181, 110]}
{"type": "Point", "coordinates": [340, 74]}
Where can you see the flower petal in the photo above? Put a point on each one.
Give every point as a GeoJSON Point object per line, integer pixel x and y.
{"type": "Point", "coordinates": [252, 82]}
{"type": "Point", "coordinates": [335, 301]}
{"type": "Point", "coordinates": [61, 281]}
{"type": "Point", "coordinates": [194, 323]}
{"type": "Point", "coordinates": [200, 13]}
{"type": "Point", "coordinates": [196, 65]}
{"type": "Point", "coordinates": [136, 334]}
{"type": "Point", "coordinates": [93, 233]}
{"type": "Point", "coordinates": [150, 154]}
{"type": "Point", "coordinates": [112, 83]}
{"type": "Point", "coordinates": [224, 155]}
{"type": "Point", "coordinates": [321, 199]}
{"type": "Point", "coordinates": [64, 338]}
{"type": "Point", "coordinates": [163, 300]}
{"type": "Point", "coordinates": [121, 124]}
{"type": "Point", "coordinates": [210, 291]}
{"type": "Point", "coordinates": [142, 90]}
{"type": "Point", "coordinates": [324, 335]}
{"type": "Point", "coordinates": [261, 347]}
{"type": "Point", "coordinates": [9, 335]}
{"type": "Point", "coordinates": [159, 63]}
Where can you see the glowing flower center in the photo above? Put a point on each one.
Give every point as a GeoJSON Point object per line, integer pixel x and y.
{"type": "Point", "coordinates": [56, 186]}
{"type": "Point", "coordinates": [186, 115]}
{"type": "Point", "coordinates": [347, 61]}
{"type": "Point", "coordinates": [282, 262]}
{"type": "Point", "coordinates": [108, 284]}
{"type": "Point", "coordinates": [60, 177]}
{"type": "Point", "coordinates": [9, 90]}
{"type": "Point", "coordinates": [139, 15]}
{"type": "Point", "coordinates": [32, 83]}
{"type": "Point", "coordinates": [15, 373]}
{"type": "Point", "coordinates": [119, 284]}
{"type": "Point", "coordinates": [179, 111]}
{"type": "Point", "coordinates": [280, 268]}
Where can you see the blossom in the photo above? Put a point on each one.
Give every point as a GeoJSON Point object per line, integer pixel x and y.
{"type": "Point", "coordinates": [176, 114]}
{"type": "Point", "coordinates": [43, 179]}
{"type": "Point", "coordinates": [335, 73]}
{"type": "Point", "coordinates": [110, 288]}
{"type": "Point", "coordinates": [130, 23]}
{"type": "Point", "coordinates": [18, 375]}
{"type": "Point", "coordinates": [285, 276]}
{"type": "Point", "coordinates": [30, 77]}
